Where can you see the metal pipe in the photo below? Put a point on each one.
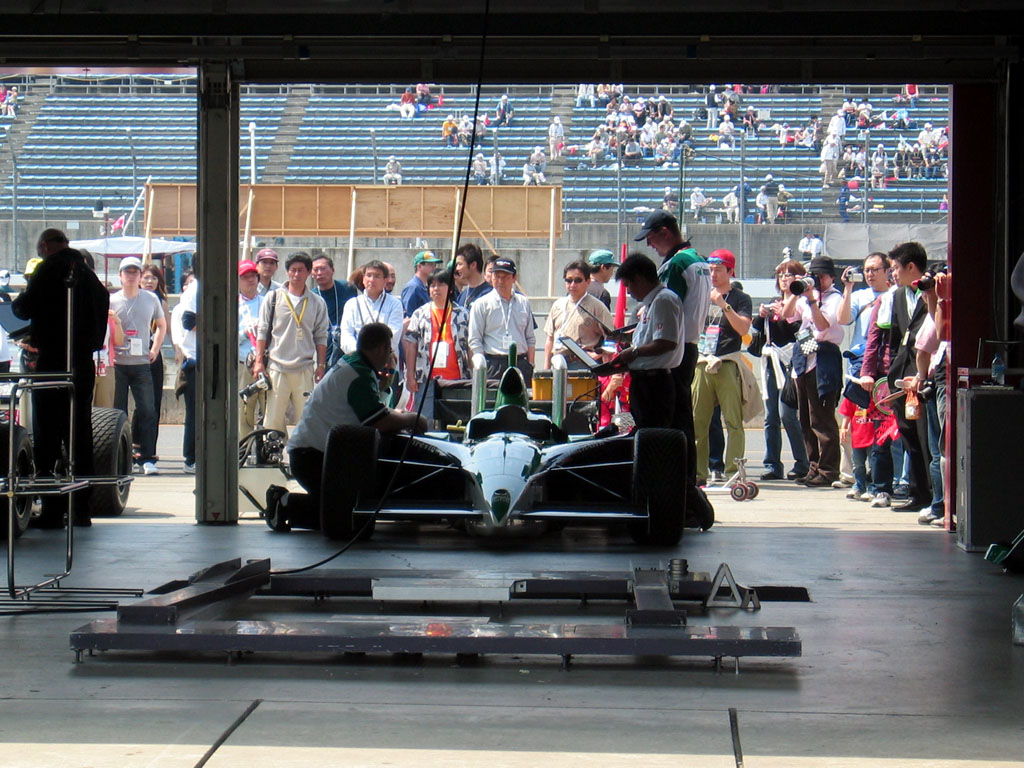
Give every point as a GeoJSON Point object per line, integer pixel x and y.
{"type": "Point", "coordinates": [559, 389]}
{"type": "Point", "coordinates": [373, 145]}
{"type": "Point", "coordinates": [14, 201]}
{"type": "Point", "coordinates": [252, 152]}
{"type": "Point", "coordinates": [478, 392]}
{"type": "Point", "coordinates": [135, 167]}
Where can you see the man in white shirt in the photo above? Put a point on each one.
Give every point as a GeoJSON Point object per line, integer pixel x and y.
{"type": "Point", "coordinates": [500, 319]}
{"type": "Point", "coordinates": [291, 343]}
{"type": "Point", "coordinates": [656, 348]}
{"type": "Point", "coordinates": [818, 371]}
{"type": "Point", "coordinates": [373, 305]}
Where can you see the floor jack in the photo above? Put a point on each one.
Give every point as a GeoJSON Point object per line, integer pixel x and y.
{"type": "Point", "coordinates": [737, 486]}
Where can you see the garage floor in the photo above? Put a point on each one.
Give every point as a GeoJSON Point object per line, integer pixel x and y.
{"type": "Point", "coordinates": [907, 655]}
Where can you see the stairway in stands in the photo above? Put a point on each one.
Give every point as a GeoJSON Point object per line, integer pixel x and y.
{"type": "Point", "coordinates": [17, 132]}
{"type": "Point", "coordinates": [287, 134]}
{"type": "Point", "coordinates": [563, 97]}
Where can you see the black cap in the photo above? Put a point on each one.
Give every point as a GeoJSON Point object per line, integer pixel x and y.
{"type": "Point", "coordinates": [654, 221]}
{"type": "Point", "coordinates": [503, 265]}
{"type": "Point", "coordinates": [822, 265]}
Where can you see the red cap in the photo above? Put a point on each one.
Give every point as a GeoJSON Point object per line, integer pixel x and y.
{"type": "Point", "coordinates": [722, 256]}
{"type": "Point", "coordinates": [246, 266]}
{"type": "Point", "coordinates": [266, 253]}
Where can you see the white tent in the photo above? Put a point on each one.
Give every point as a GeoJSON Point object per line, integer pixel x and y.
{"type": "Point", "coordinates": [131, 246]}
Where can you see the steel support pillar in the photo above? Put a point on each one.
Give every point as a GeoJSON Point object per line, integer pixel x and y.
{"type": "Point", "coordinates": [216, 380]}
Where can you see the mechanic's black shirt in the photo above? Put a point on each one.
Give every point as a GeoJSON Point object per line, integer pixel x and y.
{"type": "Point", "coordinates": [729, 340]}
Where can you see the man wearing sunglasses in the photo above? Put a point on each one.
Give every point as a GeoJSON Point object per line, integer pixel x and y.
{"type": "Point", "coordinates": [575, 316]}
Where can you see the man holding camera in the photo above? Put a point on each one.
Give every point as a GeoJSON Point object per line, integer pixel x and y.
{"type": "Point", "coordinates": [818, 366]}
{"type": "Point", "coordinates": [249, 303]}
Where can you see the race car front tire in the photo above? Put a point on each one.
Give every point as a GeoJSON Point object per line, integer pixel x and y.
{"type": "Point", "coordinates": [24, 468]}
{"type": "Point", "coordinates": [349, 476]}
{"type": "Point", "coordinates": [659, 456]}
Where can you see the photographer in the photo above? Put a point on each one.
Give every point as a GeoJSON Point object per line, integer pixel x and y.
{"type": "Point", "coordinates": [818, 368]}
{"type": "Point", "coordinates": [861, 289]}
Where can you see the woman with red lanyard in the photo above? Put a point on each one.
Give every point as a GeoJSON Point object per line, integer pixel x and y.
{"type": "Point", "coordinates": [438, 331]}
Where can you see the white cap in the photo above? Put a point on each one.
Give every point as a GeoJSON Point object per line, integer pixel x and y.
{"type": "Point", "coordinates": [768, 177]}
{"type": "Point", "coordinates": [558, 119]}
{"type": "Point", "coordinates": [130, 261]}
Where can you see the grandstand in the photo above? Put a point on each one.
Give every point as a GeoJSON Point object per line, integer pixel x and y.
{"type": "Point", "coordinates": [72, 147]}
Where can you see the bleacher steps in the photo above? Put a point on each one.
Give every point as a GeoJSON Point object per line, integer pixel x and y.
{"type": "Point", "coordinates": [287, 133]}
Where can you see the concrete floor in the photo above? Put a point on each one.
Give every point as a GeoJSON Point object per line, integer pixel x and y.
{"type": "Point", "coordinates": [907, 655]}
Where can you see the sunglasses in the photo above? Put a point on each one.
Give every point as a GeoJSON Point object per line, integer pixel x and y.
{"type": "Point", "coordinates": [572, 280]}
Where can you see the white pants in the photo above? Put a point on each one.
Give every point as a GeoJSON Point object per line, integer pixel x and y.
{"type": "Point", "coordinates": [247, 410]}
{"type": "Point", "coordinates": [287, 388]}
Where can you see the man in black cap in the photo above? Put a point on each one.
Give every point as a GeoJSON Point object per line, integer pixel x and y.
{"type": "Point", "coordinates": [818, 365]}
{"type": "Point", "coordinates": [500, 319]}
{"type": "Point", "coordinates": [688, 275]}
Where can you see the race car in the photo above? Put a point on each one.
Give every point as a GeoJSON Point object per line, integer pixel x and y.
{"type": "Point", "coordinates": [514, 469]}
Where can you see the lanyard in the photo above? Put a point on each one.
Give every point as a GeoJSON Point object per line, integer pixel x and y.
{"type": "Point", "coordinates": [506, 316]}
{"type": "Point", "coordinates": [302, 314]}
{"type": "Point", "coordinates": [373, 318]}
{"type": "Point", "coordinates": [337, 313]}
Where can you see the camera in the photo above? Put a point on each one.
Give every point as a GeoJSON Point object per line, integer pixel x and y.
{"type": "Point", "coordinates": [803, 283]}
{"type": "Point", "coordinates": [854, 275]}
{"type": "Point", "coordinates": [927, 281]}
{"type": "Point", "coordinates": [262, 384]}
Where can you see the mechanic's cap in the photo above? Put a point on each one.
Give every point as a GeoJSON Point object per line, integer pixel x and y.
{"type": "Point", "coordinates": [425, 257]}
{"type": "Point", "coordinates": [265, 254]}
{"type": "Point", "coordinates": [245, 266]}
{"type": "Point", "coordinates": [504, 265]}
{"type": "Point", "coordinates": [723, 256]}
{"type": "Point", "coordinates": [654, 221]}
{"type": "Point", "coordinates": [822, 265]}
{"type": "Point", "coordinates": [31, 264]}
{"type": "Point", "coordinates": [130, 262]}
{"type": "Point", "coordinates": [597, 258]}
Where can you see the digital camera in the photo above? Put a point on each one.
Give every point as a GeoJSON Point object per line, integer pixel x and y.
{"type": "Point", "coordinates": [262, 384]}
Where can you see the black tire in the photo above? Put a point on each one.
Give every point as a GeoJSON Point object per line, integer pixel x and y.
{"type": "Point", "coordinates": [24, 467]}
{"type": "Point", "coordinates": [112, 455]}
{"type": "Point", "coordinates": [349, 476]}
{"type": "Point", "coordinates": [699, 512]}
{"type": "Point", "coordinates": [659, 456]}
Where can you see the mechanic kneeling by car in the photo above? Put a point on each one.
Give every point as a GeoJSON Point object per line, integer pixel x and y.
{"type": "Point", "coordinates": [349, 394]}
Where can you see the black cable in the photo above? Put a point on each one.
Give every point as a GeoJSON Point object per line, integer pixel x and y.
{"type": "Point", "coordinates": [445, 319]}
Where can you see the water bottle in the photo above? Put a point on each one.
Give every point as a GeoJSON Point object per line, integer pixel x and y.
{"type": "Point", "coordinates": [998, 370]}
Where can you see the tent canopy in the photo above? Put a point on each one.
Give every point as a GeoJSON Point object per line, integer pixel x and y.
{"type": "Point", "coordinates": [131, 246]}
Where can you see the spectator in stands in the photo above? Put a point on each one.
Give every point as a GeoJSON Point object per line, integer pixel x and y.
{"type": "Point", "coordinates": [932, 163]}
{"type": "Point", "coordinates": [585, 95]}
{"type": "Point", "coordinates": [602, 268]}
{"type": "Point", "coordinates": [864, 109]}
{"type": "Point", "coordinates": [266, 262]}
{"type": "Point", "coordinates": [670, 201]}
{"type": "Point", "coordinates": [684, 137]}
{"type": "Point", "coordinates": [374, 305]}
{"type": "Point", "coordinates": [407, 104]}
{"type": "Point", "coordinates": [910, 94]}
{"type": "Point", "coordinates": [539, 163]}
{"type": "Point", "coordinates": [665, 151]}
{"type": "Point", "coordinates": [249, 304]}
{"type": "Point", "coordinates": [578, 315]}
{"type": "Point", "coordinates": [556, 137]}
{"type": "Point", "coordinates": [469, 267]}
{"type": "Point", "coordinates": [497, 168]}
{"type": "Point", "coordinates": [846, 203]}
{"type": "Point", "coordinates": [438, 333]}
{"type": "Point", "coordinates": [731, 204]}
{"type": "Point", "coordinates": [596, 150]}
{"type": "Point", "coordinates": [751, 123]}
{"type": "Point", "coordinates": [423, 95]}
{"type": "Point", "coordinates": [849, 112]}
{"type": "Point", "coordinates": [901, 161]}
{"type": "Point", "coordinates": [771, 193]}
{"type": "Point", "coordinates": [744, 193]}
{"type": "Point", "coordinates": [10, 105]}
{"type": "Point", "coordinates": [713, 106]}
{"type": "Point", "coordinates": [837, 126]}
{"type": "Point", "coordinates": [465, 131]}
{"type": "Point", "coordinates": [647, 134]}
{"type": "Point", "coordinates": [291, 343]}
{"type": "Point", "coordinates": [860, 163]}
{"type": "Point", "coordinates": [916, 162]}
{"type": "Point", "coordinates": [504, 111]}
{"type": "Point", "coordinates": [722, 378]}
{"type": "Point", "coordinates": [726, 133]}
{"type": "Point", "coordinates": [335, 294]}
{"type": "Point", "coordinates": [481, 173]}
{"type": "Point", "coordinates": [761, 204]}
{"type": "Point", "coordinates": [776, 356]}
{"type": "Point", "coordinates": [879, 167]}
{"type": "Point", "coordinates": [415, 293]}
{"type": "Point", "coordinates": [784, 197]}
{"type": "Point", "coordinates": [785, 134]}
{"type": "Point", "coordinates": [829, 158]}
{"type": "Point", "coordinates": [449, 131]}
{"type": "Point", "coordinates": [500, 319]}
{"type": "Point", "coordinates": [480, 132]}
{"type": "Point", "coordinates": [699, 204]}
{"type": "Point", "coordinates": [632, 153]}
{"type": "Point", "coordinates": [818, 370]}
{"type": "Point", "coordinates": [393, 171]}
{"type": "Point", "coordinates": [662, 108]}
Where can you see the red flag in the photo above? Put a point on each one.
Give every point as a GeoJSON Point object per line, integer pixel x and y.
{"type": "Point", "coordinates": [119, 224]}
{"type": "Point", "coordinates": [620, 302]}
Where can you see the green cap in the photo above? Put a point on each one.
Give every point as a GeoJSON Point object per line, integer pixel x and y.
{"type": "Point", "coordinates": [425, 257]}
{"type": "Point", "coordinates": [597, 258]}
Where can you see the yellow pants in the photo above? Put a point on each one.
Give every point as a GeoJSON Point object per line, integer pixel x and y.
{"type": "Point", "coordinates": [287, 388]}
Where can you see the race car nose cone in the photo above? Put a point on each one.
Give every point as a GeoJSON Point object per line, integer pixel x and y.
{"type": "Point", "coordinates": [500, 502]}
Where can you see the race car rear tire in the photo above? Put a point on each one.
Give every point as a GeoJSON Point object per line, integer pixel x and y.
{"type": "Point", "coordinates": [349, 476]}
{"type": "Point", "coordinates": [24, 467]}
{"type": "Point", "coordinates": [659, 457]}
{"type": "Point", "coordinates": [111, 455]}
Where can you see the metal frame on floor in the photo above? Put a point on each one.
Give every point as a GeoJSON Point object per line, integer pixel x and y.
{"type": "Point", "coordinates": [192, 615]}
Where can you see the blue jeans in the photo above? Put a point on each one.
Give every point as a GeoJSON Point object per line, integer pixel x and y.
{"type": "Point", "coordinates": [900, 464]}
{"type": "Point", "coordinates": [935, 465]}
{"type": "Point", "coordinates": [716, 442]}
{"type": "Point", "coordinates": [139, 379]}
{"type": "Point", "coordinates": [881, 468]}
{"type": "Point", "coordinates": [778, 415]}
